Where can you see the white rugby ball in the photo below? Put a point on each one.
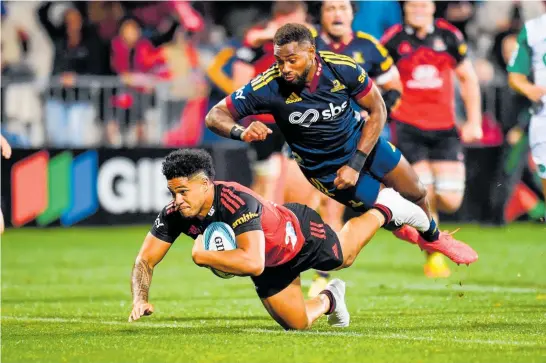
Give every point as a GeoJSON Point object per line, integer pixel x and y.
{"type": "Point", "coordinates": [219, 237]}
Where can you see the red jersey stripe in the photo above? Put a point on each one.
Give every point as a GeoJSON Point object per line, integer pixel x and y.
{"type": "Point", "coordinates": [318, 230]}
{"type": "Point", "coordinates": [230, 200]}
{"type": "Point", "coordinates": [321, 236]}
{"type": "Point", "coordinates": [316, 224]}
{"type": "Point", "coordinates": [227, 206]}
{"type": "Point", "coordinates": [235, 196]}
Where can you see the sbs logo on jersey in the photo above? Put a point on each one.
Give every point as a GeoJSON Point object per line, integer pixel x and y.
{"type": "Point", "coordinates": [311, 115]}
{"type": "Point", "coordinates": [425, 76]}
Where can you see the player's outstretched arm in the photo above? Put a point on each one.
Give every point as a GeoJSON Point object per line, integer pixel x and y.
{"type": "Point", "coordinates": [152, 252]}
{"type": "Point", "coordinates": [470, 92]}
{"type": "Point", "coordinates": [372, 101]}
{"type": "Point", "coordinates": [222, 123]}
{"type": "Point", "coordinates": [248, 259]}
{"type": "Point", "coordinates": [347, 175]}
{"type": "Point", "coordinates": [520, 83]}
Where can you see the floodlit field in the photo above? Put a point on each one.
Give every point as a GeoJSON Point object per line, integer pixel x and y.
{"type": "Point", "coordinates": [66, 298]}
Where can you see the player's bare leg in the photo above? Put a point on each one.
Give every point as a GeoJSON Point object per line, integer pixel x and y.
{"type": "Point", "coordinates": [266, 174]}
{"type": "Point", "coordinates": [291, 311]}
{"type": "Point", "coordinates": [435, 265]}
{"type": "Point", "coordinates": [449, 185]}
{"type": "Point", "coordinates": [358, 231]}
{"type": "Point", "coordinates": [297, 188]}
{"type": "Point", "coordinates": [331, 212]}
{"type": "Point", "coordinates": [404, 180]}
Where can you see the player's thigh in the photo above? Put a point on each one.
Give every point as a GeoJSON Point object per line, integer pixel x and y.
{"type": "Point", "coordinates": [266, 159]}
{"type": "Point", "coordinates": [331, 212]}
{"type": "Point", "coordinates": [297, 188]}
{"type": "Point", "coordinates": [448, 170]}
{"type": "Point", "coordinates": [405, 180]}
{"type": "Point", "coordinates": [287, 307]}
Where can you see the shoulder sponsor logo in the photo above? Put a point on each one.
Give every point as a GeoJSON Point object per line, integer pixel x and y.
{"type": "Point", "coordinates": [244, 218]}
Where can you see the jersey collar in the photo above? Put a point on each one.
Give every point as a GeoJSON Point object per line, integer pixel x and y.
{"type": "Point", "coordinates": [411, 31]}
{"type": "Point", "coordinates": [331, 44]}
{"type": "Point", "coordinates": [314, 82]}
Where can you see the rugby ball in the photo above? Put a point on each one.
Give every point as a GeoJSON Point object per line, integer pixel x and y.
{"type": "Point", "coordinates": [219, 237]}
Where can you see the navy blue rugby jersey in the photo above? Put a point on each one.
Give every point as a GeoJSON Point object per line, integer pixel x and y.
{"type": "Point", "coordinates": [367, 51]}
{"type": "Point", "coordinates": [318, 121]}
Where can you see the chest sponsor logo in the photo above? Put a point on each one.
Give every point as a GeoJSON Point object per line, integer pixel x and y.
{"type": "Point", "coordinates": [425, 76]}
{"type": "Point", "coordinates": [311, 115]}
{"type": "Point", "coordinates": [243, 219]}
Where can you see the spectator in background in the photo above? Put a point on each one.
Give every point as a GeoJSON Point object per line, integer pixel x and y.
{"type": "Point", "coordinates": [11, 48]}
{"type": "Point", "coordinates": [458, 13]}
{"type": "Point", "coordinates": [139, 63]}
{"type": "Point", "coordinates": [77, 49]}
{"type": "Point", "coordinates": [374, 17]}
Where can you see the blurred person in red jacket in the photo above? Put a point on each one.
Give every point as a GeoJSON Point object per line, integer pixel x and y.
{"type": "Point", "coordinates": [254, 57]}
{"type": "Point", "coordinates": [140, 64]}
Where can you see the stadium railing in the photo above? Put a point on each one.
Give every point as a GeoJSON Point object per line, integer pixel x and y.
{"type": "Point", "coordinates": [43, 110]}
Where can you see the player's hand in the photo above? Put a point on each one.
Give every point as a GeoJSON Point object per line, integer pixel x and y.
{"type": "Point", "coordinates": [346, 177]}
{"type": "Point", "coordinates": [140, 309]}
{"type": "Point", "coordinates": [471, 132]}
{"type": "Point", "coordinates": [536, 93]}
{"type": "Point", "coordinates": [198, 246]}
{"type": "Point", "coordinates": [256, 131]}
{"type": "Point", "coordinates": [514, 135]}
{"type": "Point", "coordinates": [6, 148]}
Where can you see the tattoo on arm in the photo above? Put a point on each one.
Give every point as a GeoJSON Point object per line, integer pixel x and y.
{"type": "Point", "coordinates": [141, 278]}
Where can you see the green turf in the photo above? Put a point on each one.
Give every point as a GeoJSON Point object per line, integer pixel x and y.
{"type": "Point", "coordinates": [66, 298]}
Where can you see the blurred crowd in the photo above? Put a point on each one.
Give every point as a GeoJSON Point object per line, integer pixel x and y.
{"type": "Point", "coordinates": [79, 74]}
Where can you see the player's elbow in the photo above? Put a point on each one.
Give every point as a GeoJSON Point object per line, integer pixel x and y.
{"type": "Point", "coordinates": [210, 119]}
{"type": "Point", "coordinates": [255, 268]}
{"type": "Point", "coordinates": [514, 81]}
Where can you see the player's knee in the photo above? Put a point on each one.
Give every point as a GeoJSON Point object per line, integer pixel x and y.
{"type": "Point", "coordinates": [449, 202]}
{"type": "Point", "coordinates": [302, 323]}
{"type": "Point", "coordinates": [268, 169]}
{"type": "Point", "coordinates": [449, 193]}
{"type": "Point", "coordinates": [348, 260]}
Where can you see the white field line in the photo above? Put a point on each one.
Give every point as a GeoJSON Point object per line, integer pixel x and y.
{"type": "Point", "coordinates": [449, 287]}
{"type": "Point", "coordinates": [279, 332]}
{"type": "Point", "coordinates": [400, 337]}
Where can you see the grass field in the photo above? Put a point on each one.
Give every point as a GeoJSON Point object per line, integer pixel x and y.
{"type": "Point", "coordinates": [66, 298]}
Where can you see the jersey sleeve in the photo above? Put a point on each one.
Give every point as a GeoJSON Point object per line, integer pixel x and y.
{"type": "Point", "coordinates": [520, 62]}
{"type": "Point", "coordinates": [242, 211]}
{"type": "Point", "coordinates": [247, 54]}
{"type": "Point", "coordinates": [166, 227]}
{"type": "Point", "coordinates": [378, 55]}
{"type": "Point", "coordinates": [355, 78]}
{"type": "Point", "coordinates": [251, 99]}
{"type": "Point", "coordinates": [456, 44]}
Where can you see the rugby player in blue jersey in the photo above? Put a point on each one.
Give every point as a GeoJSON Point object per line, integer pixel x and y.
{"type": "Point", "coordinates": [309, 94]}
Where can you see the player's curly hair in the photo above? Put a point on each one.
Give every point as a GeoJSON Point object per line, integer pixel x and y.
{"type": "Point", "coordinates": [292, 32]}
{"type": "Point", "coordinates": [187, 162]}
